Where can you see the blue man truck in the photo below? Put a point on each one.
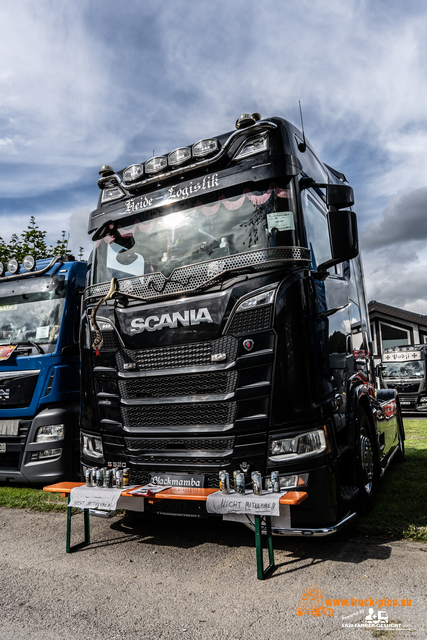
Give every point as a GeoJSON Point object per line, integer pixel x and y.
{"type": "Point", "coordinates": [39, 369]}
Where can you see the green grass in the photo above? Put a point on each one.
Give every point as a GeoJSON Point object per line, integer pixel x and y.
{"type": "Point", "coordinates": [35, 499]}
{"type": "Point", "coordinates": [400, 512]}
{"type": "Point", "coordinates": [401, 509]}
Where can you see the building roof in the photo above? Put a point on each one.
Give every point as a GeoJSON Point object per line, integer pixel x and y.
{"type": "Point", "coordinates": [395, 312]}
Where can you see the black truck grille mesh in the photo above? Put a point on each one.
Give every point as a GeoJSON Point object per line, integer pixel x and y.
{"type": "Point", "coordinates": [179, 444]}
{"type": "Point", "coordinates": [179, 415]}
{"type": "Point", "coordinates": [176, 356]}
{"type": "Point", "coordinates": [174, 386]}
{"type": "Point", "coordinates": [110, 341]}
{"type": "Point", "coordinates": [249, 321]}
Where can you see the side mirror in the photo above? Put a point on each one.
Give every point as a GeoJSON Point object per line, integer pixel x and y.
{"type": "Point", "coordinates": [343, 237]}
{"type": "Point", "coordinates": [339, 196]}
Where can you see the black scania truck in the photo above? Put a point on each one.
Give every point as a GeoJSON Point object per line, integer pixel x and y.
{"type": "Point", "coordinates": [225, 326]}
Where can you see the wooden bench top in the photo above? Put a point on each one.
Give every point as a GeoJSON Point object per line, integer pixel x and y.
{"type": "Point", "coordinates": [176, 493]}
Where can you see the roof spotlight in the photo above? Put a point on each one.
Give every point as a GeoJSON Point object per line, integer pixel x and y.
{"type": "Point", "coordinates": [13, 266]}
{"type": "Point", "coordinates": [29, 262]}
{"type": "Point", "coordinates": [2, 269]}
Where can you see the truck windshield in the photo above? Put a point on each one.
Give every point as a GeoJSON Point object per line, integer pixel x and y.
{"type": "Point", "coordinates": [232, 222]}
{"type": "Point", "coordinates": [31, 316]}
{"type": "Point", "coordinates": [414, 369]}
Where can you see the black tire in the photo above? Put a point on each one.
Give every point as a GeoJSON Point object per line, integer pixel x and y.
{"type": "Point", "coordinates": [400, 454]}
{"type": "Point", "coordinates": [367, 465]}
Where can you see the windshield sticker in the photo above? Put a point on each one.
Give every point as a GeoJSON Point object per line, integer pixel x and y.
{"type": "Point", "coordinates": [6, 352]}
{"type": "Point", "coordinates": [281, 220]}
{"type": "Point", "coordinates": [401, 356]}
{"type": "Point", "coordinates": [42, 332]}
{"type": "Point", "coordinates": [8, 307]}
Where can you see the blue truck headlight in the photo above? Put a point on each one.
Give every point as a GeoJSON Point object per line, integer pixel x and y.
{"type": "Point", "coordinates": [302, 446]}
{"type": "Point", "coordinates": [92, 446]}
{"type": "Point", "coordinates": [50, 433]}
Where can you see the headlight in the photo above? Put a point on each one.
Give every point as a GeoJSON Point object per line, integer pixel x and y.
{"type": "Point", "coordinates": [260, 300]}
{"type": "Point", "coordinates": [301, 446]}
{"type": "Point", "coordinates": [252, 146]}
{"type": "Point", "coordinates": [92, 446]}
{"type": "Point", "coordinates": [50, 433]}
{"type": "Point", "coordinates": [113, 193]}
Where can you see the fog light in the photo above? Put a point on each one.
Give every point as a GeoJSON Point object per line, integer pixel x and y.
{"type": "Point", "coordinates": [296, 481]}
{"type": "Point", "coordinates": [50, 433]}
{"type": "Point", "coordinates": [49, 453]}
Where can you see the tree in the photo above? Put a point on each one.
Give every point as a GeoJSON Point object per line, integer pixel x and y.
{"type": "Point", "coordinates": [33, 241]}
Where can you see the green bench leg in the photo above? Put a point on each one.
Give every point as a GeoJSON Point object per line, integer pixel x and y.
{"type": "Point", "coordinates": [261, 572]}
{"type": "Point", "coordinates": [86, 525]}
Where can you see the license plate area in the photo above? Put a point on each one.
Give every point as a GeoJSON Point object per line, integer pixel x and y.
{"type": "Point", "coordinates": [189, 481]}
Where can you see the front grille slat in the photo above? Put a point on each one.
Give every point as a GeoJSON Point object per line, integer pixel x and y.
{"type": "Point", "coordinates": [177, 356]}
{"type": "Point", "coordinates": [191, 444]}
{"type": "Point", "coordinates": [179, 415]}
{"type": "Point", "coordinates": [181, 385]}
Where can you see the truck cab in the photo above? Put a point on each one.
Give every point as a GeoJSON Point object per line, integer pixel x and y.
{"type": "Point", "coordinates": [39, 369]}
{"type": "Point", "coordinates": [404, 369]}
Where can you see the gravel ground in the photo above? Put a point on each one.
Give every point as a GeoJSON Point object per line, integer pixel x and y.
{"type": "Point", "coordinates": [166, 578]}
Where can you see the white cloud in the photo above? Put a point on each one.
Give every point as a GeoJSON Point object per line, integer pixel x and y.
{"type": "Point", "coordinates": [84, 84]}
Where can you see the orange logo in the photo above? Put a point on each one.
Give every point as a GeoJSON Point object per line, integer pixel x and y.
{"type": "Point", "coordinates": [313, 603]}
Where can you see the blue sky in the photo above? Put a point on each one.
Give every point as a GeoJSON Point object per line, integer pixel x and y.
{"type": "Point", "coordinates": [95, 82]}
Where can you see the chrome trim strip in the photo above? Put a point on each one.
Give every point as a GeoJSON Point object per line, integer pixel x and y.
{"type": "Point", "coordinates": [136, 402]}
{"type": "Point", "coordinates": [266, 124]}
{"type": "Point", "coordinates": [152, 373]}
{"type": "Point", "coordinates": [19, 374]}
{"type": "Point", "coordinates": [209, 428]}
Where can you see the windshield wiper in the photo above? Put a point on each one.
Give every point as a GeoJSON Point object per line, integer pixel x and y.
{"type": "Point", "coordinates": [28, 343]}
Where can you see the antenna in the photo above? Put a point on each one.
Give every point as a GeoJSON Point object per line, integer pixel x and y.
{"type": "Point", "coordinates": [302, 146]}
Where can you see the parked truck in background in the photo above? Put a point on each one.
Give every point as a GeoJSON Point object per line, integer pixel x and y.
{"type": "Point", "coordinates": [404, 369]}
{"type": "Point", "coordinates": [226, 328]}
{"type": "Point", "coordinates": [39, 369]}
